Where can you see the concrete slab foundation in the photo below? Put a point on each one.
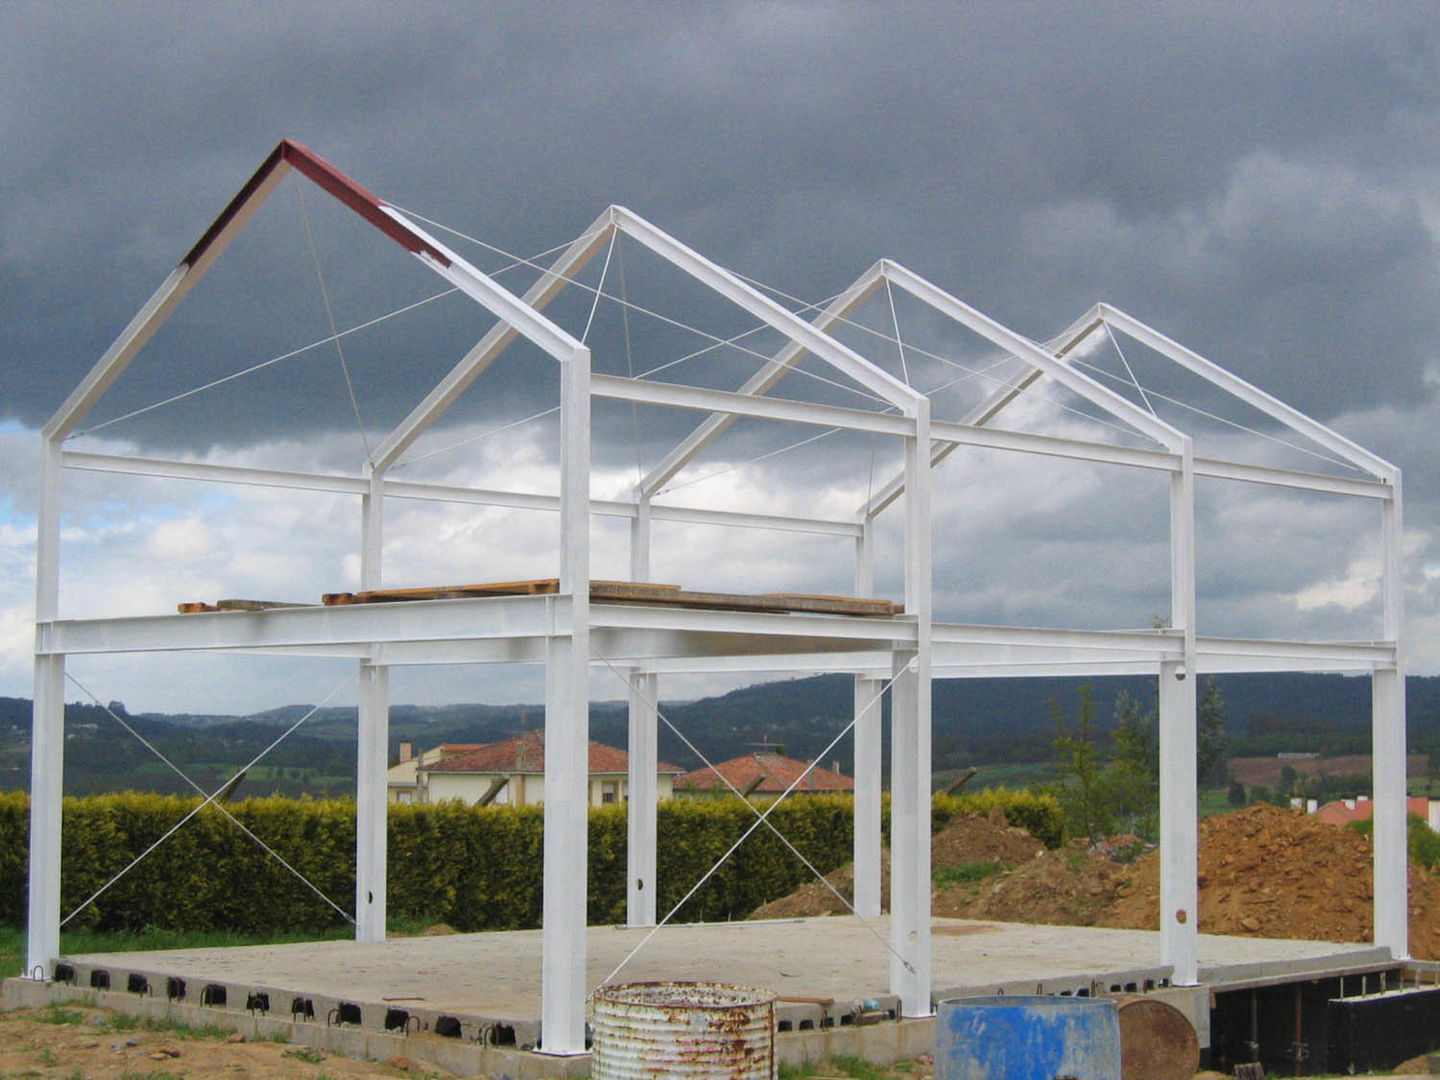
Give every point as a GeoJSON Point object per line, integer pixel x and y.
{"type": "Point", "coordinates": [471, 1002]}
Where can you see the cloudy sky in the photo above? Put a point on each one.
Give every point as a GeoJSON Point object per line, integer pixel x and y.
{"type": "Point", "coordinates": [1261, 182]}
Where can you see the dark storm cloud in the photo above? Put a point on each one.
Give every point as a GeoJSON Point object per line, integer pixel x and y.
{"type": "Point", "coordinates": [1248, 178]}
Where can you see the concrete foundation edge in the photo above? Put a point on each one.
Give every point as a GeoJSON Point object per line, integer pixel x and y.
{"type": "Point", "coordinates": [465, 1059]}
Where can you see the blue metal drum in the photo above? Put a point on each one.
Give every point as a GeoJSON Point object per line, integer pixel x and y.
{"type": "Point", "coordinates": [1027, 1038]}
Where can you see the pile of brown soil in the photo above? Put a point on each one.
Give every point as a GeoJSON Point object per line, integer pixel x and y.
{"type": "Point", "coordinates": [969, 839]}
{"type": "Point", "coordinates": [966, 839]}
{"type": "Point", "coordinates": [1270, 872]}
{"type": "Point", "coordinates": [1068, 887]}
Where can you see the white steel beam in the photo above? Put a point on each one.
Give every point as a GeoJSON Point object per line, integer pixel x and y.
{"type": "Point", "coordinates": [641, 810]}
{"type": "Point", "coordinates": [47, 778]}
{"type": "Point", "coordinates": [1387, 702]}
{"type": "Point", "coordinates": [987, 410]}
{"type": "Point", "coordinates": [1179, 812]}
{"type": "Point", "coordinates": [910, 762]}
{"type": "Point", "coordinates": [1179, 827]}
{"type": "Point", "coordinates": [560, 274]}
{"type": "Point", "coordinates": [1098, 395]}
{"type": "Point", "coordinates": [1304, 481]}
{"type": "Point", "coordinates": [567, 736]}
{"type": "Point", "coordinates": [371, 808]}
{"type": "Point", "coordinates": [648, 392]}
{"type": "Point", "coordinates": [952, 435]}
{"type": "Point", "coordinates": [407, 489]}
{"type": "Point", "coordinates": [47, 739]}
{"type": "Point", "coordinates": [1274, 408]}
{"type": "Point", "coordinates": [868, 747]}
{"type": "Point", "coordinates": [760, 383]}
{"type": "Point", "coordinates": [116, 359]}
{"type": "Point", "coordinates": [490, 294]}
{"type": "Point", "coordinates": [171, 292]}
{"type": "Point", "coordinates": [845, 360]}
{"type": "Point", "coordinates": [867, 825]}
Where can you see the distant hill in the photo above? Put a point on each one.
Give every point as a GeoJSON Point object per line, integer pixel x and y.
{"type": "Point", "coordinates": [976, 721]}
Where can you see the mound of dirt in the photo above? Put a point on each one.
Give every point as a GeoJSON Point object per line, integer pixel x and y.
{"type": "Point", "coordinates": [969, 839]}
{"type": "Point", "coordinates": [1068, 887]}
{"type": "Point", "coordinates": [1271, 872]}
{"type": "Point", "coordinates": [966, 839]}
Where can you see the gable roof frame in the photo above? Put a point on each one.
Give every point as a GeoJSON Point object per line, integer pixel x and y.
{"type": "Point", "coordinates": [288, 155]}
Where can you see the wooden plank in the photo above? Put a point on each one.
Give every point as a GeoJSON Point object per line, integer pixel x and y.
{"type": "Point", "coordinates": [256, 605]}
{"type": "Point", "coordinates": [639, 592]}
{"type": "Point", "coordinates": [446, 592]}
{"type": "Point", "coordinates": [194, 607]}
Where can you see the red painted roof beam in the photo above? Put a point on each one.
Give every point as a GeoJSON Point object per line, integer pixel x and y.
{"type": "Point", "coordinates": [292, 155]}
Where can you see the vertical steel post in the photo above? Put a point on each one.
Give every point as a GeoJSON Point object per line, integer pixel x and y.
{"type": "Point", "coordinates": [371, 808]}
{"type": "Point", "coordinates": [563, 945]}
{"type": "Point", "coordinates": [1387, 703]}
{"type": "Point", "coordinates": [47, 738]}
{"type": "Point", "coordinates": [372, 740]}
{"type": "Point", "coordinates": [910, 746]}
{"type": "Point", "coordinates": [867, 752]}
{"type": "Point", "coordinates": [640, 812]}
{"type": "Point", "coordinates": [1179, 823]}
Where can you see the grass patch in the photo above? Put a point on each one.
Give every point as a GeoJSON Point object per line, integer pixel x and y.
{"type": "Point", "coordinates": [58, 1014]}
{"type": "Point", "coordinates": [307, 1054]}
{"type": "Point", "coordinates": [969, 872]}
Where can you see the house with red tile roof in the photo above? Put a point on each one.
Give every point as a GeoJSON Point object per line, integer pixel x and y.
{"type": "Point", "coordinates": [402, 781]}
{"type": "Point", "coordinates": [762, 773]}
{"type": "Point", "coordinates": [512, 773]}
{"type": "Point", "coordinates": [1362, 808]}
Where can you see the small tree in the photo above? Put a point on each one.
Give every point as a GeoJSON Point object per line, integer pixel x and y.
{"type": "Point", "coordinates": [1081, 788]}
{"type": "Point", "coordinates": [1132, 783]}
{"type": "Point", "coordinates": [1212, 746]}
{"type": "Point", "coordinates": [1237, 793]}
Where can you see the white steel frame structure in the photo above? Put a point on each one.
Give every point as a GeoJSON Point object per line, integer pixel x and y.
{"type": "Point", "coordinates": [567, 633]}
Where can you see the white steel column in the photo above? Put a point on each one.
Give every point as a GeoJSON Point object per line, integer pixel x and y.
{"type": "Point", "coordinates": [371, 760]}
{"type": "Point", "coordinates": [1179, 821]}
{"type": "Point", "coordinates": [867, 840]}
{"type": "Point", "coordinates": [640, 811]}
{"type": "Point", "coordinates": [562, 975]}
{"type": "Point", "coordinates": [47, 733]}
{"type": "Point", "coordinates": [867, 843]}
{"type": "Point", "coordinates": [1387, 697]}
{"type": "Point", "coordinates": [910, 747]}
{"type": "Point", "coordinates": [372, 744]}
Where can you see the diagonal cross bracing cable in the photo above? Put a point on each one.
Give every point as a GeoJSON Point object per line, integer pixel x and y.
{"type": "Point", "coordinates": [1224, 421]}
{"type": "Point", "coordinates": [209, 799]}
{"type": "Point", "coordinates": [367, 324]}
{"type": "Point", "coordinates": [761, 819]}
{"type": "Point", "coordinates": [1129, 370]}
{"type": "Point", "coordinates": [330, 318]}
{"type": "Point", "coordinates": [630, 306]}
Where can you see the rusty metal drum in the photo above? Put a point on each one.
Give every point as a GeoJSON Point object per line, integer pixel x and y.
{"type": "Point", "coordinates": [679, 1029]}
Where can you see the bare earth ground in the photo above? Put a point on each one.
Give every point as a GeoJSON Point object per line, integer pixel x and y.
{"type": "Point", "coordinates": [1264, 872]}
{"type": "Point", "coordinates": [77, 1042]}
{"type": "Point", "coordinates": [1266, 770]}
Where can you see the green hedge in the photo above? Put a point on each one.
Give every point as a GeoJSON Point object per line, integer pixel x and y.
{"type": "Point", "coordinates": [471, 867]}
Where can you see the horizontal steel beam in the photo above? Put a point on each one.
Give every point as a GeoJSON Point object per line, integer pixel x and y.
{"type": "Point", "coordinates": [1305, 481]}
{"type": "Point", "coordinates": [405, 489]}
{"type": "Point", "coordinates": [649, 392]}
{"type": "Point", "coordinates": [1023, 442]}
